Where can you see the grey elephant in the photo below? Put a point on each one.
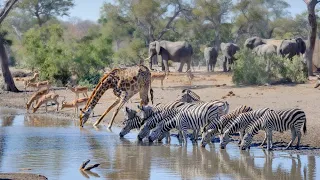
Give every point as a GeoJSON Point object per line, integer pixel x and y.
{"type": "Point", "coordinates": [228, 51]}
{"type": "Point", "coordinates": [180, 51]}
{"type": "Point", "coordinates": [261, 48]}
{"type": "Point", "coordinates": [290, 48]}
{"type": "Point", "coordinates": [210, 55]}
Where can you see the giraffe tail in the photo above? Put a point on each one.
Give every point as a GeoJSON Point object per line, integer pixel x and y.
{"type": "Point", "coordinates": [151, 94]}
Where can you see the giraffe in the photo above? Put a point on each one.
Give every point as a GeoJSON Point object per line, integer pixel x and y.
{"type": "Point", "coordinates": [125, 83]}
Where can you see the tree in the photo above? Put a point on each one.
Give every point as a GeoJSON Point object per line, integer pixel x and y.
{"type": "Point", "coordinates": [44, 10]}
{"type": "Point", "coordinates": [312, 19]}
{"type": "Point", "coordinates": [8, 83]}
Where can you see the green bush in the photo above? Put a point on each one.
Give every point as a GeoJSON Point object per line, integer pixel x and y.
{"type": "Point", "coordinates": [90, 80]}
{"type": "Point", "coordinates": [250, 69]}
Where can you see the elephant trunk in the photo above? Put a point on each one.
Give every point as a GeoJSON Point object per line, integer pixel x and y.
{"type": "Point", "coordinates": [151, 55]}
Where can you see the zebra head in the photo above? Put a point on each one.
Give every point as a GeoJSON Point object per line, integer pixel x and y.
{"type": "Point", "coordinates": [246, 141]}
{"type": "Point", "coordinates": [144, 132]}
{"type": "Point", "coordinates": [207, 135]}
{"type": "Point", "coordinates": [224, 140]}
{"type": "Point", "coordinates": [130, 124]}
{"type": "Point", "coordinates": [156, 134]}
{"type": "Point", "coordinates": [129, 113]}
{"type": "Point", "coordinates": [145, 112]}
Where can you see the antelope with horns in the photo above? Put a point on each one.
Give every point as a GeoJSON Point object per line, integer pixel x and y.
{"type": "Point", "coordinates": [39, 85]}
{"type": "Point", "coordinates": [45, 99]}
{"type": "Point", "coordinates": [77, 90]}
{"type": "Point", "coordinates": [35, 97]}
{"type": "Point", "coordinates": [75, 103]}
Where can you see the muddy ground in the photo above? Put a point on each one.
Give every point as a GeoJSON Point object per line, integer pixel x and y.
{"type": "Point", "coordinates": [209, 86]}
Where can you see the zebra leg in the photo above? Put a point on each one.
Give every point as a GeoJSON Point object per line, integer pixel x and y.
{"type": "Point", "coordinates": [241, 137]}
{"type": "Point", "coordinates": [299, 137]}
{"type": "Point", "coordinates": [264, 140]}
{"type": "Point", "coordinates": [180, 136]}
{"type": "Point", "coordinates": [269, 140]}
{"type": "Point", "coordinates": [293, 137]}
{"type": "Point", "coordinates": [185, 137]}
{"type": "Point", "coordinates": [195, 135]}
{"type": "Point", "coordinates": [168, 138]}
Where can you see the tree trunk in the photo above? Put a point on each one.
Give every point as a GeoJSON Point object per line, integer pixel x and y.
{"type": "Point", "coordinates": [8, 83]}
{"type": "Point", "coordinates": [312, 35]}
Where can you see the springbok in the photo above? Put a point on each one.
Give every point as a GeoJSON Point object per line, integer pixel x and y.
{"type": "Point", "coordinates": [77, 90]}
{"type": "Point", "coordinates": [36, 96]}
{"type": "Point", "coordinates": [75, 103]}
{"type": "Point", "coordinates": [39, 85]}
{"type": "Point", "coordinates": [45, 99]}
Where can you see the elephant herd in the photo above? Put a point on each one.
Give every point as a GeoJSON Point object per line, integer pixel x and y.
{"type": "Point", "coordinates": [182, 51]}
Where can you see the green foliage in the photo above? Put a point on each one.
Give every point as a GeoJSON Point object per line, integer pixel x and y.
{"type": "Point", "coordinates": [90, 80]}
{"type": "Point", "coordinates": [48, 52]}
{"type": "Point", "coordinates": [250, 69]}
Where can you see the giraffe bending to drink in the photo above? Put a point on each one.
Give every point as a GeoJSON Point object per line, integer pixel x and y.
{"type": "Point", "coordinates": [125, 83]}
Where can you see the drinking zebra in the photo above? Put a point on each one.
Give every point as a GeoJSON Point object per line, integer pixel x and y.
{"type": "Point", "coordinates": [192, 118]}
{"type": "Point", "coordinates": [133, 121]}
{"type": "Point", "coordinates": [239, 125]}
{"type": "Point", "coordinates": [217, 127]}
{"type": "Point", "coordinates": [282, 120]}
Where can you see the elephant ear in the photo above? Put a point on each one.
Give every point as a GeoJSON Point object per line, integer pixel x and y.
{"type": "Point", "coordinates": [158, 47]}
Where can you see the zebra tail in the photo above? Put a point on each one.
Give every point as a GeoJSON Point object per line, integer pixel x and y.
{"type": "Point", "coordinates": [305, 127]}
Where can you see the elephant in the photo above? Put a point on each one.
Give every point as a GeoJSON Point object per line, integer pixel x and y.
{"type": "Point", "coordinates": [180, 51]}
{"type": "Point", "coordinates": [292, 47]}
{"type": "Point", "coordinates": [210, 55]}
{"type": "Point", "coordinates": [228, 51]}
{"type": "Point", "coordinates": [261, 48]}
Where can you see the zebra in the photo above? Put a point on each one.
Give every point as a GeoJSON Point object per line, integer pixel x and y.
{"type": "Point", "coordinates": [215, 127]}
{"type": "Point", "coordinates": [282, 120]}
{"type": "Point", "coordinates": [193, 118]}
{"type": "Point", "coordinates": [239, 125]}
{"type": "Point", "coordinates": [189, 96]}
{"type": "Point", "coordinates": [152, 121]}
{"type": "Point", "coordinates": [133, 121]}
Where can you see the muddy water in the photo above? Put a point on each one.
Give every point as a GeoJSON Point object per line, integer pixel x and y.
{"type": "Point", "coordinates": [56, 148]}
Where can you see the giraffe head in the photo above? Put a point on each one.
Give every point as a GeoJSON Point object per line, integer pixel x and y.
{"type": "Point", "coordinates": [84, 116]}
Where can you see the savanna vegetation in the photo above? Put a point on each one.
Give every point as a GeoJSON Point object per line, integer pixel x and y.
{"type": "Point", "coordinates": [36, 38]}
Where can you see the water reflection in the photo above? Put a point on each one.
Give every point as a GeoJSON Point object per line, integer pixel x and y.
{"type": "Point", "coordinates": [56, 148]}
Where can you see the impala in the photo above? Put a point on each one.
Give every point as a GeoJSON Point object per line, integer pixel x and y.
{"type": "Point", "coordinates": [38, 85]}
{"type": "Point", "coordinates": [75, 103]}
{"type": "Point", "coordinates": [45, 99]}
{"type": "Point", "coordinates": [35, 97]}
{"type": "Point", "coordinates": [77, 90]}
{"type": "Point", "coordinates": [158, 76]}
{"type": "Point", "coordinates": [30, 80]}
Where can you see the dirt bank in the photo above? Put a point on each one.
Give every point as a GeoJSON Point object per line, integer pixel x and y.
{"type": "Point", "coordinates": [209, 86]}
{"type": "Point", "coordinates": [20, 176]}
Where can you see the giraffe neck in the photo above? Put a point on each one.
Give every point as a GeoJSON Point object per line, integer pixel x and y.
{"type": "Point", "coordinates": [106, 82]}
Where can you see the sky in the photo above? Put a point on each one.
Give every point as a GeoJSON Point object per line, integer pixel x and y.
{"type": "Point", "coordinates": [90, 9]}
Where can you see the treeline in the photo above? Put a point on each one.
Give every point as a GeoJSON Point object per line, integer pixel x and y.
{"type": "Point", "coordinates": [83, 49]}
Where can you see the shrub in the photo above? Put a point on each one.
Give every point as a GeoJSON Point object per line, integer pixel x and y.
{"type": "Point", "coordinates": [250, 69]}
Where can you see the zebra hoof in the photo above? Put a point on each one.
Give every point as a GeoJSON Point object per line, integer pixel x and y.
{"type": "Point", "coordinates": [121, 135]}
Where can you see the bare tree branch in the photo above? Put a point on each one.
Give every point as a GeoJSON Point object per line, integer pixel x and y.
{"type": "Point", "coordinates": [8, 6]}
{"type": "Point", "coordinates": [167, 27]}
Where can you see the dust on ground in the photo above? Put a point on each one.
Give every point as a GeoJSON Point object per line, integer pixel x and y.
{"type": "Point", "coordinates": [210, 86]}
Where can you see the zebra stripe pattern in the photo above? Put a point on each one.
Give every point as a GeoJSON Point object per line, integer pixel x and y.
{"type": "Point", "coordinates": [282, 120]}
{"type": "Point", "coordinates": [156, 118]}
{"type": "Point", "coordinates": [197, 116]}
{"type": "Point", "coordinates": [189, 96]}
{"type": "Point", "coordinates": [215, 127]}
{"type": "Point", "coordinates": [239, 125]}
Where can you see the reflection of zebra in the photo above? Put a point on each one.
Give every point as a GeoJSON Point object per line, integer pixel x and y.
{"type": "Point", "coordinates": [215, 127]}
{"type": "Point", "coordinates": [239, 125]}
{"type": "Point", "coordinates": [192, 118]}
{"type": "Point", "coordinates": [280, 121]}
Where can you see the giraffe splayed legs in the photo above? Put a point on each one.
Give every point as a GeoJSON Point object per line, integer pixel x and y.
{"type": "Point", "coordinates": [125, 83]}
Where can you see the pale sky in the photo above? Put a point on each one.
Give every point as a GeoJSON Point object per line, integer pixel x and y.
{"type": "Point", "coordinates": [90, 9]}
